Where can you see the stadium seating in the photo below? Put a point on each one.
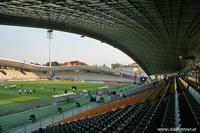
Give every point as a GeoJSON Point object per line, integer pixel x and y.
{"type": "Point", "coordinates": [167, 106]}
{"type": "Point", "coordinates": [112, 106]}
{"type": "Point", "coordinates": [89, 76]}
{"type": "Point", "coordinates": [189, 108]}
{"type": "Point", "coordinates": [12, 74]}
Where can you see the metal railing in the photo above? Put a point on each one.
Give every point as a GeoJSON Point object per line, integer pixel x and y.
{"type": "Point", "coordinates": [50, 120]}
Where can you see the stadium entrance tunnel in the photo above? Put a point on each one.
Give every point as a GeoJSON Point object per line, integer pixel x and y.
{"type": "Point", "coordinates": [153, 33]}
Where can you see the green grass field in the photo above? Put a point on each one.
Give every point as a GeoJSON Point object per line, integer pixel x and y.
{"type": "Point", "coordinates": [10, 98]}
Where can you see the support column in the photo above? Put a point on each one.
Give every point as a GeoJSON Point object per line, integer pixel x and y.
{"type": "Point", "coordinates": [198, 77]}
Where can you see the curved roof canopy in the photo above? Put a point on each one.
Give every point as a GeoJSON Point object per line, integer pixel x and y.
{"type": "Point", "coordinates": [152, 32]}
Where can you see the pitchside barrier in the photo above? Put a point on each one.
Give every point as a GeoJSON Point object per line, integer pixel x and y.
{"type": "Point", "coordinates": [51, 120]}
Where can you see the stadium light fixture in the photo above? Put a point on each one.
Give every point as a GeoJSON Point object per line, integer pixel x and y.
{"type": "Point", "coordinates": [50, 37]}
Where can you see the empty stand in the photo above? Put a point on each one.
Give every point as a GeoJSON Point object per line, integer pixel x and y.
{"type": "Point", "coordinates": [12, 74]}
{"type": "Point", "coordinates": [89, 76]}
{"type": "Point", "coordinates": [167, 106]}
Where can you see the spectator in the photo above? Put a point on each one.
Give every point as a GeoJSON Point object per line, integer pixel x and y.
{"type": "Point", "coordinates": [2, 85]}
{"type": "Point", "coordinates": [24, 92]}
{"type": "Point", "coordinates": [20, 92]}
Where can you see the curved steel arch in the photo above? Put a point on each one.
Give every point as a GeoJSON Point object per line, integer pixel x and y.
{"type": "Point", "coordinates": [152, 32]}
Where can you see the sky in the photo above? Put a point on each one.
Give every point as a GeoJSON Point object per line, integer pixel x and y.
{"type": "Point", "coordinates": [31, 45]}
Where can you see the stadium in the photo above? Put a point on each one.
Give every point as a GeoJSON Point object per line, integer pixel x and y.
{"type": "Point", "coordinates": [74, 97]}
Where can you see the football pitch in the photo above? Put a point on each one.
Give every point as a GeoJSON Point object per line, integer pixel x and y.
{"type": "Point", "coordinates": [44, 90]}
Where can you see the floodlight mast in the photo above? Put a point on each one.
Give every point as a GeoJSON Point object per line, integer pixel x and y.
{"type": "Point", "coordinates": [50, 37]}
